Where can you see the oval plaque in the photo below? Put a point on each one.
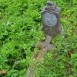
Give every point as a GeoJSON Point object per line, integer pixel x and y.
{"type": "Point", "coordinates": [49, 19]}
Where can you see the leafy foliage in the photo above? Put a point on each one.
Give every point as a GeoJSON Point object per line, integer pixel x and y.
{"type": "Point", "coordinates": [20, 29]}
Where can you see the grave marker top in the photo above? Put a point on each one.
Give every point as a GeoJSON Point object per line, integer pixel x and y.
{"type": "Point", "coordinates": [51, 19]}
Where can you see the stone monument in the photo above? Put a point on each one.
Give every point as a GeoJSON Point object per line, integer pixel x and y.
{"type": "Point", "coordinates": [51, 22]}
{"type": "Point", "coordinates": [51, 19]}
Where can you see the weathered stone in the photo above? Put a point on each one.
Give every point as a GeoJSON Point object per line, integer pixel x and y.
{"type": "Point", "coordinates": [51, 19]}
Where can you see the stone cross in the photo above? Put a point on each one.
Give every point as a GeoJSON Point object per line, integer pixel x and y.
{"type": "Point", "coordinates": [51, 22]}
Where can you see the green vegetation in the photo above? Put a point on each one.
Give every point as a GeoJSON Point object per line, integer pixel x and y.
{"type": "Point", "coordinates": [20, 29]}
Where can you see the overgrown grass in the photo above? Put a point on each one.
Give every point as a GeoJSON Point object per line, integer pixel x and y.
{"type": "Point", "coordinates": [20, 29]}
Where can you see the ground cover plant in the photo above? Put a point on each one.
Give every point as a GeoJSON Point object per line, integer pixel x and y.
{"type": "Point", "coordinates": [20, 29]}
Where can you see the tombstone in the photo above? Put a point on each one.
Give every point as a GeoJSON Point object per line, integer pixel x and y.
{"type": "Point", "coordinates": [51, 19]}
{"type": "Point", "coordinates": [51, 24]}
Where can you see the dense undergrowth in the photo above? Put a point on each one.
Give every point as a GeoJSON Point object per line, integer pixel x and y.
{"type": "Point", "coordinates": [20, 29]}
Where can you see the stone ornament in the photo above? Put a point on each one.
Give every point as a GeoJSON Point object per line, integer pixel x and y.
{"type": "Point", "coordinates": [51, 19]}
